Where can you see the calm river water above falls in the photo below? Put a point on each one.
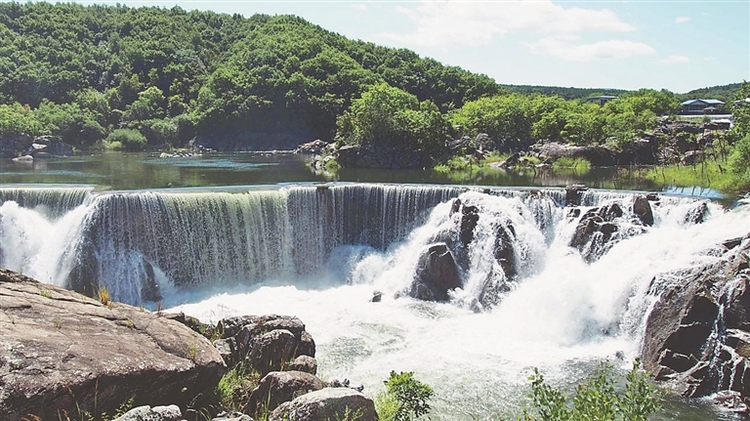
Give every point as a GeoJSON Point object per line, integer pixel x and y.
{"type": "Point", "coordinates": [193, 231]}
{"type": "Point", "coordinates": [127, 171]}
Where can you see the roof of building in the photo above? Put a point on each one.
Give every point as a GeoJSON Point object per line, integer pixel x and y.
{"type": "Point", "coordinates": [600, 97]}
{"type": "Point", "coordinates": [705, 101]}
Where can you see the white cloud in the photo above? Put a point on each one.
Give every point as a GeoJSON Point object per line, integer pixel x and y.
{"type": "Point", "coordinates": [675, 59]}
{"type": "Point", "coordinates": [681, 19]}
{"type": "Point", "coordinates": [474, 23]}
{"type": "Point", "coordinates": [360, 7]}
{"type": "Point", "coordinates": [566, 48]}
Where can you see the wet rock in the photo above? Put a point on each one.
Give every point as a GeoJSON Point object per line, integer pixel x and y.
{"type": "Point", "coordinates": [63, 351]}
{"type": "Point", "coordinates": [505, 238]}
{"type": "Point", "coordinates": [469, 220]}
{"type": "Point", "coordinates": [599, 229]}
{"type": "Point", "coordinates": [327, 404]}
{"type": "Point", "coordinates": [642, 210]}
{"type": "Point", "coordinates": [437, 273]}
{"type": "Point", "coordinates": [697, 334]}
{"type": "Point", "coordinates": [278, 387]}
{"type": "Point", "coordinates": [574, 194]}
{"type": "Point", "coordinates": [377, 296]}
{"type": "Point", "coordinates": [698, 214]}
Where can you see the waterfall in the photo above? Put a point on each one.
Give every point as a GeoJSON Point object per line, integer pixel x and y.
{"type": "Point", "coordinates": [527, 297]}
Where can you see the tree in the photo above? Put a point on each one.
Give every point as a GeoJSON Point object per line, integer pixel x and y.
{"type": "Point", "coordinates": [385, 117]}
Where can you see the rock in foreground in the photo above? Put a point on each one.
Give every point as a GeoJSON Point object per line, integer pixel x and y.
{"type": "Point", "coordinates": [339, 403]}
{"type": "Point", "coordinates": [62, 352]}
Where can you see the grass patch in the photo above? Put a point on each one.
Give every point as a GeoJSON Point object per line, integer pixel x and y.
{"type": "Point", "coordinates": [712, 174]}
{"type": "Point", "coordinates": [103, 295]}
{"type": "Point", "coordinates": [235, 386]}
{"type": "Point", "coordinates": [460, 164]}
{"type": "Point", "coordinates": [576, 165]}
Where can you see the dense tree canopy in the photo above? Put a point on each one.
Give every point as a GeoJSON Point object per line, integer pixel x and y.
{"type": "Point", "coordinates": [199, 72]}
{"type": "Point", "coordinates": [84, 73]}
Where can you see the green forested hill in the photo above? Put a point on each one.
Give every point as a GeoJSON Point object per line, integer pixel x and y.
{"type": "Point", "coordinates": [155, 77]}
{"type": "Point", "coordinates": [168, 72]}
{"type": "Point", "coordinates": [725, 93]}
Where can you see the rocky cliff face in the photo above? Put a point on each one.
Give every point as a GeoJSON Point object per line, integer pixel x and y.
{"type": "Point", "coordinates": [697, 335]}
{"type": "Point", "coordinates": [62, 353]}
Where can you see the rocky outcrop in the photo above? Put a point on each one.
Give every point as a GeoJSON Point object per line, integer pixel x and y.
{"type": "Point", "coordinates": [697, 335]}
{"type": "Point", "coordinates": [598, 156]}
{"type": "Point", "coordinates": [278, 387]}
{"type": "Point", "coordinates": [62, 352]}
{"type": "Point", "coordinates": [268, 343]}
{"type": "Point", "coordinates": [437, 274]}
{"type": "Point", "coordinates": [327, 404]}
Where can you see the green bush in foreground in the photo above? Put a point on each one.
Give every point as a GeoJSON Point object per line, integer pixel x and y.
{"type": "Point", "coordinates": [595, 400]}
{"type": "Point", "coordinates": [405, 398]}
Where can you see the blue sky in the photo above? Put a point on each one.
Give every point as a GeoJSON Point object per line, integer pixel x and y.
{"type": "Point", "coordinates": [675, 45]}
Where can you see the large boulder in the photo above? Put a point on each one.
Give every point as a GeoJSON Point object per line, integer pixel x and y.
{"type": "Point", "coordinates": [697, 335]}
{"type": "Point", "coordinates": [62, 352]}
{"type": "Point", "coordinates": [436, 275]}
{"type": "Point", "coordinates": [340, 403]}
{"type": "Point", "coordinates": [278, 387]}
{"type": "Point", "coordinates": [49, 147]}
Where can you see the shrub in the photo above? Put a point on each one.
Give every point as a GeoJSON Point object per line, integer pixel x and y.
{"type": "Point", "coordinates": [405, 398]}
{"type": "Point", "coordinates": [596, 399]}
{"type": "Point", "coordinates": [130, 140]}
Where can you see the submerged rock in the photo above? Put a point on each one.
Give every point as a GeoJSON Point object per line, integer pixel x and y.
{"type": "Point", "coordinates": [62, 351]}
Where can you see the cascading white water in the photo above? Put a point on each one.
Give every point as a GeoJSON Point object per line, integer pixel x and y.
{"type": "Point", "coordinates": [319, 253]}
